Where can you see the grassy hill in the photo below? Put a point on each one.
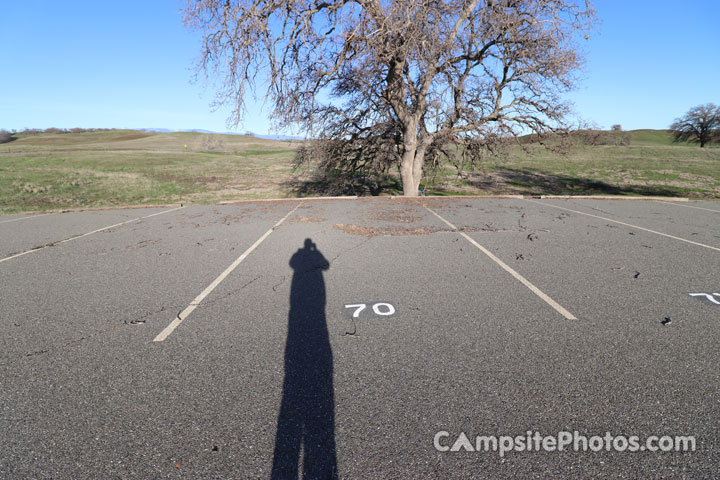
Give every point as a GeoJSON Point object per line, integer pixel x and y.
{"type": "Point", "coordinates": [654, 137]}
{"type": "Point", "coordinates": [128, 167]}
{"type": "Point", "coordinates": [49, 171]}
{"type": "Point", "coordinates": [136, 140]}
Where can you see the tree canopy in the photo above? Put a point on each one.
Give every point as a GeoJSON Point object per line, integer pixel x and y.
{"type": "Point", "coordinates": [384, 83]}
{"type": "Point", "coordinates": [700, 124]}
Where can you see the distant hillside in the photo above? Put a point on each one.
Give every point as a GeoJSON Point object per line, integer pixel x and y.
{"type": "Point", "coordinates": [653, 137]}
{"type": "Point", "coordinates": [125, 139]}
{"type": "Point", "coordinates": [247, 133]}
{"type": "Point", "coordinates": [642, 137]}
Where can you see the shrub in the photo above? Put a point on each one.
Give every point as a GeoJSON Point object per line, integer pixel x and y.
{"type": "Point", "coordinates": [6, 136]}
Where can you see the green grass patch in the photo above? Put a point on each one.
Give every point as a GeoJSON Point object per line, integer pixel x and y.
{"type": "Point", "coordinates": [92, 174]}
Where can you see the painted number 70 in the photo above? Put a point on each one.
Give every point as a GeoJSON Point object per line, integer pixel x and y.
{"type": "Point", "coordinates": [383, 309]}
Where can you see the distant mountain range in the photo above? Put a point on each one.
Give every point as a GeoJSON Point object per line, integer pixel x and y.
{"type": "Point", "coordinates": [197, 130]}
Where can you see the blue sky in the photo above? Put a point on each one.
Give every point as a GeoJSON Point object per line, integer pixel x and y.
{"type": "Point", "coordinates": [129, 65]}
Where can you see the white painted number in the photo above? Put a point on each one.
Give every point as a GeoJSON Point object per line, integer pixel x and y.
{"type": "Point", "coordinates": [390, 309]}
{"type": "Point", "coordinates": [381, 308]}
{"type": "Point", "coordinates": [360, 307]}
{"type": "Point", "coordinates": [708, 296]}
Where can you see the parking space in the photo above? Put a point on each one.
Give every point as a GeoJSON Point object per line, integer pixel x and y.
{"type": "Point", "coordinates": [20, 234]}
{"type": "Point", "coordinates": [361, 328]}
{"type": "Point", "coordinates": [121, 275]}
{"type": "Point", "coordinates": [693, 225]}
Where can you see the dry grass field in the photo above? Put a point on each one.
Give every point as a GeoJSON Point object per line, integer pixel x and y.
{"type": "Point", "coordinates": [55, 171]}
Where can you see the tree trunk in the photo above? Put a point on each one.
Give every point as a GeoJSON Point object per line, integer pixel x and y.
{"type": "Point", "coordinates": [412, 161]}
{"type": "Point", "coordinates": [411, 169]}
{"type": "Point", "coordinates": [418, 166]}
{"type": "Point", "coordinates": [406, 173]}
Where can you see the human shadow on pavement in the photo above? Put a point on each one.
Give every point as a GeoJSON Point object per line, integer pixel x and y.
{"type": "Point", "coordinates": [307, 410]}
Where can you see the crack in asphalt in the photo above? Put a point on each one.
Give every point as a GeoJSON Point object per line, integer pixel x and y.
{"type": "Point", "coordinates": [343, 252]}
{"type": "Point", "coordinates": [282, 280]}
{"type": "Point", "coordinates": [141, 320]}
{"type": "Point", "coordinates": [11, 361]}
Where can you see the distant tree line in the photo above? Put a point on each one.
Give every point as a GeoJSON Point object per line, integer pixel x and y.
{"type": "Point", "coordinates": [8, 136]}
{"type": "Point", "coordinates": [38, 131]}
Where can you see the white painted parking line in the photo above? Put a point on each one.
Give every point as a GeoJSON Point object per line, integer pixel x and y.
{"type": "Point", "coordinates": [709, 296]}
{"type": "Point", "coordinates": [25, 217]}
{"type": "Point", "coordinates": [52, 244]}
{"type": "Point", "coordinates": [562, 311]}
{"type": "Point", "coordinates": [689, 206]}
{"type": "Point", "coordinates": [185, 313]}
{"type": "Point", "coordinates": [627, 225]}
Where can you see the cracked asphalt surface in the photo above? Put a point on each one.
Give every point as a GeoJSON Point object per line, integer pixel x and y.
{"type": "Point", "coordinates": [271, 375]}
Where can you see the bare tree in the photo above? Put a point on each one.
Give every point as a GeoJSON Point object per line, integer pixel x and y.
{"type": "Point", "coordinates": [699, 124]}
{"type": "Point", "coordinates": [212, 142]}
{"type": "Point", "coordinates": [386, 83]}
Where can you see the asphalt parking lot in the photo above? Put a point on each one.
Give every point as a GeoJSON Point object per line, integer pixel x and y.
{"type": "Point", "coordinates": [338, 337]}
